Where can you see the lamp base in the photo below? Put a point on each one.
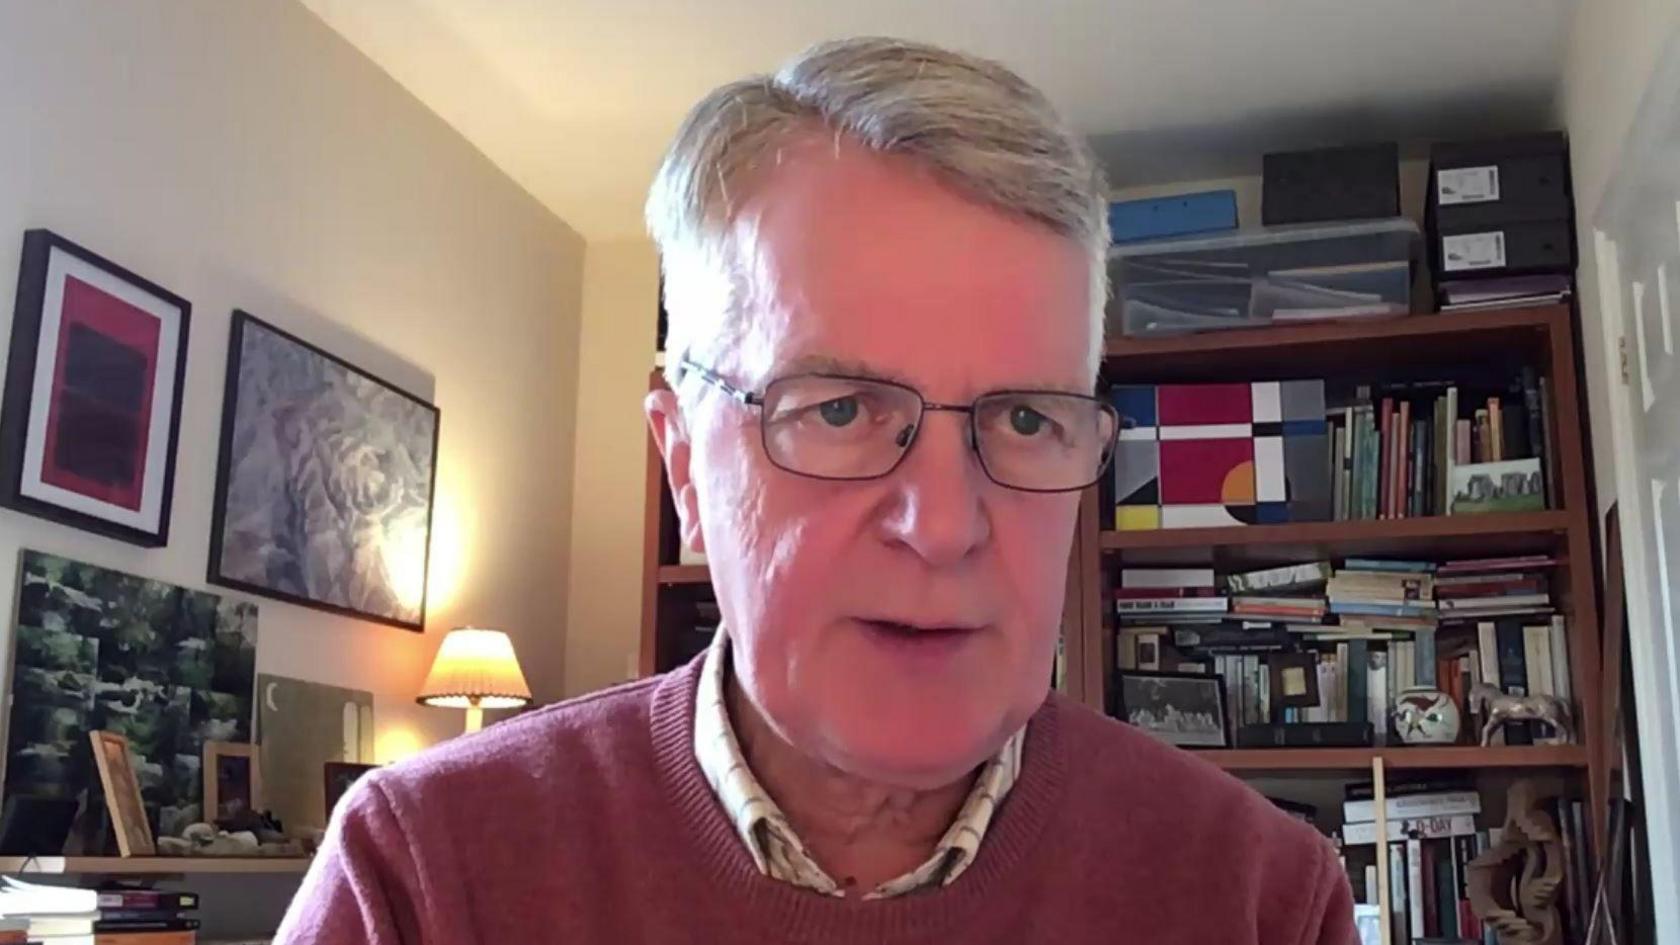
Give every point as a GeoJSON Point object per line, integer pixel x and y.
{"type": "Point", "coordinates": [475, 718]}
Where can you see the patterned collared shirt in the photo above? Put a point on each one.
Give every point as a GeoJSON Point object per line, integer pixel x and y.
{"type": "Point", "coordinates": [765, 830]}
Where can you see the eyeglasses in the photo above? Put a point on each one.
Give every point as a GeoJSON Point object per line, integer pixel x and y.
{"type": "Point", "coordinates": [830, 426]}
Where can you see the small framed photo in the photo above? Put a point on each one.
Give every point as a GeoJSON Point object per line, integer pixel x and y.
{"type": "Point", "coordinates": [1294, 680]}
{"type": "Point", "coordinates": [92, 404]}
{"type": "Point", "coordinates": [339, 776]}
{"type": "Point", "coordinates": [1183, 709]}
{"type": "Point", "coordinates": [232, 781]}
{"type": "Point", "coordinates": [122, 794]}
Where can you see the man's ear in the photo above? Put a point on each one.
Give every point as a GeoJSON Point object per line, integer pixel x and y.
{"type": "Point", "coordinates": [670, 434]}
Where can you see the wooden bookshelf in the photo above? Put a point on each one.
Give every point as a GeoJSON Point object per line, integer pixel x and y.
{"type": "Point", "coordinates": [1386, 348]}
{"type": "Point", "coordinates": [1427, 537]}
{"type": "Point", "coordinates": [151, 865]}
{"type": "Point", "coordinates": [1443, 757]}
{"type": "Point", "coordinates": [684, 574]}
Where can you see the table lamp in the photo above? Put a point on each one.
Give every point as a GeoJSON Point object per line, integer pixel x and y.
{"type": "Point", "coordinates": [475, 669]}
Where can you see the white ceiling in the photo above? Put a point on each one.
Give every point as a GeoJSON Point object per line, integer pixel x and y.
{"type": "Point", "coordinates": [575, 99]}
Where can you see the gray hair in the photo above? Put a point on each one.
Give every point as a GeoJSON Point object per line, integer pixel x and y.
{"type": "Point", "coordinates": [979, 127]}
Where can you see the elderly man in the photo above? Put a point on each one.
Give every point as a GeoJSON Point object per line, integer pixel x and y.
{"type": "Point", "coordinates": [884, 268]}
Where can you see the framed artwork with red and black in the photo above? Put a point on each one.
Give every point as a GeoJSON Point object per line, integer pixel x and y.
{"type": "Point", "coordinates": [92, 405]}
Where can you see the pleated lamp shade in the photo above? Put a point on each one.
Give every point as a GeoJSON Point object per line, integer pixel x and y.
{"type": "Point", "coordinates": [475, 669]}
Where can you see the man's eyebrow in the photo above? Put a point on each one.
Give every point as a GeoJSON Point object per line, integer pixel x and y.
{"type": "Point", "coordinates": [827, 364]}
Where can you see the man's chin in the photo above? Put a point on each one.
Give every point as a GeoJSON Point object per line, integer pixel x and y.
{"type": "Point", "coordinates": [914, 757]}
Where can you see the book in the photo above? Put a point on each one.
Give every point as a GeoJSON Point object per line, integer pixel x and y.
{"type": "Point", "coordinates": [54, 926]}
{"type": "Point", "coordinates": [1562, 686]}
{"type": "Point", "coordinates": [1197, 605]}
{"type": "Point", "coordinates": [1484, 565]}
{"type": "Point", "coordinates": [1166, 577]}
{"type": "Point", "coordinates": [1376, 687]}
{"type": "Point", "coordinates": [1548, 455]}
{"type": "Point", "coordinates": [1511, 486]}
{"type": "Point", "coordinates": [1365, 833]}
{"type": "Point", "coordinates": [1414, 887]}
{"type": "Point", "coordinates": [1404, 807]}
{"type": "Point", "coordinates": [1512, 674]}
{"type": "Point", "coordinates": [1286, 578]}
{"type": "Point", "coordinates": [1399, 912]}
{"type": "Point", "coordinates": [1162, 593]}
{"type": "Point", "coordinates": [1503, 602]}
{"type": "Point", "coordinates": [1387, 565]}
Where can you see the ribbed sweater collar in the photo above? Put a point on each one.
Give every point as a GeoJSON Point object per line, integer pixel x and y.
{"type": "Point", "coordinates": [788, 913]}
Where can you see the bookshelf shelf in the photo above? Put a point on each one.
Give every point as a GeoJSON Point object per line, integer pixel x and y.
{"type": "Point", "coordinates": [1430, 537]}
{"type": "Point", "coordinates": [1359, 759]}
{"type": "Point", "coordinates": [685, 574]}
{"type": "Point", "coordinates": [151, 865]}
{"type": "Point", "coordinates": [1312, 347]}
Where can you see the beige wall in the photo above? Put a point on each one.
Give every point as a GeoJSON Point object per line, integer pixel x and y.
{"type": "Point", "coordinates": [604, 607]}
{"type": "Point", "coordinates": [1612, 49]}
{"type": "Point", "coordinates": [243, 154]}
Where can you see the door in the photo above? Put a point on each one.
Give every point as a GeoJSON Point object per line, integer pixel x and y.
{"type": "Point", "coordinates": [1636, 239]}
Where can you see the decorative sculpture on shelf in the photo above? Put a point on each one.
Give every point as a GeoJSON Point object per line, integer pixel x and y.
{"type": "Point", "coordinates": [1497, 708]}
{"type": "Point", "coordinates": [1513, 887]}
{"type": "Point", "coordinates": [1426, 716]}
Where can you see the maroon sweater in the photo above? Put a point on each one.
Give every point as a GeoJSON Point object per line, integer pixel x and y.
{"type": "Point", "coordinates": [590, 822]}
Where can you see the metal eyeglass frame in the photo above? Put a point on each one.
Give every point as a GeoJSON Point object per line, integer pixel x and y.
{"type": "Point", "coordinates": [756, 399]}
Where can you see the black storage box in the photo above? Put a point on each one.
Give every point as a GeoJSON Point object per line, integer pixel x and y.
{"type": "Point", "coordinates": [1501, 208]}
{"type": "Point", "coordinates": [1354, 183]}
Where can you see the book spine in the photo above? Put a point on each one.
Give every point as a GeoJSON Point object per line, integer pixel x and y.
{"type": "Point", "coordinates": [1377, 695]}
{"type": "Point", "coordinates": [1479, 452]}
{"type": "Point", "coordinates": [1403, 461]}
{"type": "Point", "coordinates": [1385, 480]}
{"type": "Point", "coordinates": [1571, 887]}
{"type": "Point", "coordinates": [1559, 638]}
{"type": "Point", "coordinates": [1397, 897]}
{"type": "Point", "coordinates": [1337, 435]}
{"type": "Point", "coordinates": [1344, 467]}
{"type": "Point", "coordinates": [1166, 577]}
{"type": "Point", "coordinates": [1373, 463]}
{"type": "Point", "coordinates": [1496, 431]}
{"type": "Point", "coordinates": [1358, 668]}
{"type": "Point", "coordinates": [1429, 828]}
{"type": "Point", "coordinates": [1411, 806]}
{"type": "Point", "coordinates": [1441, 441]}
{"type": "Point", "coordinates": [1446, 891]}
{"type": "Point", "coordinates": [1424, 645]}
{"type": "Point", "coordinates": [1414, 887]}
{"type": "Point", "coordinates": [1515, 423]}
{"type": "Point", "coordinates": [1548, 459]}
{"type": "Point", "coordinates": [1513, 675]}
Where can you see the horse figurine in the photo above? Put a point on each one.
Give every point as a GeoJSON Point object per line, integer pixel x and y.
{"type": "Point", "coordinates": [1498, 708]}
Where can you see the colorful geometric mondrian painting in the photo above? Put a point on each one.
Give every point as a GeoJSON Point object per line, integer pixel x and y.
{"type": "Point", "coordinates": [1207, 455]}
{"type": "Point", "coordinates": [1137, 459]}
{"type": "Point", "coordinates": [1200, 455]}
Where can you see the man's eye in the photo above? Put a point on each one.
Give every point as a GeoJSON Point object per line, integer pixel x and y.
{"type": "Point", "coordinates": [1026, 421]}
{"type": "Point", "coordinates": [839, 412]}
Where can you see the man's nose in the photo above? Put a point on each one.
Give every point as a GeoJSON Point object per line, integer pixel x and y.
{"type": "Point", "coordinates": [936, 493]}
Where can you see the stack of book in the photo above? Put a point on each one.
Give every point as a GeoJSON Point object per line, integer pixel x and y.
{"type": "Point", "coordinates": [1432, 837]}
{"type": "Point", "coordinates": [1470, 590]}
{"type": "Point", "coordinates": [14, 931]}
{"type": "Point", "coordinates": [1168, 595]}
{"type": "Point", "coordinates": [1432, 448]}
{"type": "Point", "coordinates": [1433, 834]}
{"type": "Point", "coordinates": [62, 915]}
{"type": "Point", "coordinates": [1368, 595]}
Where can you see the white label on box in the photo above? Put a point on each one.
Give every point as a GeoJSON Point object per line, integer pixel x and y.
{"type": "Point", "coordinates": [1473, 251]}
{"type": "Point", "coordinates": [1467, 185]}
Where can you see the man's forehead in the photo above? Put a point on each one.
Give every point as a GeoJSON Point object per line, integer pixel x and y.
{"type": "Point", "coordinates": [864, 265]}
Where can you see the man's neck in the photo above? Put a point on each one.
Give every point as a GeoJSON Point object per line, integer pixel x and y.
{"type": "Point", "coordinates": [860, 832]}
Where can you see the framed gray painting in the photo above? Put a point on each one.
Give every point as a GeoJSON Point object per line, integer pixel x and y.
{"type": "Point", "coordinates": [324, 482]}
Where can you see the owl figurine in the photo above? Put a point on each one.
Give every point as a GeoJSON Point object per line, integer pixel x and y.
{"type": "Point", "coordinates": [1426, 717]}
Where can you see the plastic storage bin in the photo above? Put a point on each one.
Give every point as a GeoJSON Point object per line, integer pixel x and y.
{"type": "Point", "coordinates": [1254, 277]}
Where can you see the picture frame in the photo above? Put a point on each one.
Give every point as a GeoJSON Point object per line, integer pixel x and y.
{"type": "Point", "coordinates": [95, 376]}
{"type": "Point", "coordinates": [232, 780]}
{"type": "Point", "coordinates": [325, 481]}
{"type": "Point", "coordinates": [122, 794]}
{"type": "Point", "coordinates": [1182, 709]}
{"type": "Point", "coordinates": [1293, 680]}
{"type": "Point", "coordinates": [337, 777]}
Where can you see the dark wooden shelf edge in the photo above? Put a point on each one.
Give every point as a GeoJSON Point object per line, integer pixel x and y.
{"type": "Point", "coordinates": [685, 574]}
{"type": "Point", "coordinates": [1359, 759]}
{"type": "Point", "coordinates": [1279, 336]}
{"type": "Point", "coordinates": [1552, 521]}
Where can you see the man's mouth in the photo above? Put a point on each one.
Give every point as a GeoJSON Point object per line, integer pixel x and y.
{"type": "Point", "coordinates": [930, 639]}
